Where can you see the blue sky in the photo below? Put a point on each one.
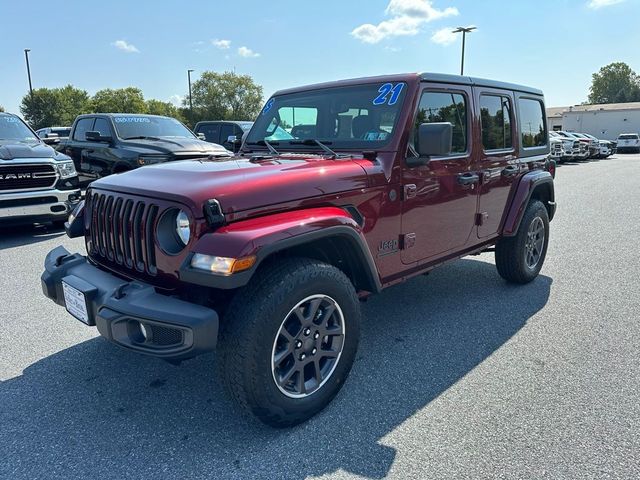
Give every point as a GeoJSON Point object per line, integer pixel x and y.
{"type": "Point", "coordinates": [554, 45]}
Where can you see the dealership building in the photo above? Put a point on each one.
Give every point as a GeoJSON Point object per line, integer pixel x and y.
{"type": "Point", "coordinates": [602, 121]}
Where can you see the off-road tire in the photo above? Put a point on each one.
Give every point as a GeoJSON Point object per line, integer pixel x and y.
{"type": "Point", "coordinates": [510, 251]}
{"type": "Point", "coordinates": [252, 322]}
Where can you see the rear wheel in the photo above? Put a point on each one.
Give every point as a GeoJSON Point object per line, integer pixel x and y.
{"type": "Point", "coordinates": [519, 258]}
{"type": "Point", "coordinates": [289, 339]}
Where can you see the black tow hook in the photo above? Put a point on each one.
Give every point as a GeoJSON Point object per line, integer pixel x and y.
{"type": "Point", "coordinates": [119, 293]}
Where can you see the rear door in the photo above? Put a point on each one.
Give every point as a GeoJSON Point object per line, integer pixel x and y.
{"type": "Point", "coordinates": [440, 198]}
{"type": "Point", "coordinates": [497, 160]}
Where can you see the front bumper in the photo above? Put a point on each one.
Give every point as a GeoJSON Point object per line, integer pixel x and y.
{"type": "Point", "coordinates": [37, 205]}
{"type": "Point", "coordinates": [130, 313]}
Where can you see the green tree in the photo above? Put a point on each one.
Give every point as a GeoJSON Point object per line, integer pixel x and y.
{"type": "Point", "coordinates": [615, 83]}
{"type": "Point", "coordinates": [120, 100]}
{"type": "Point", "coordinates": [224, 96]}
{"type": "Point", "coordinates": [168, 109]}
{"type": "Point", "coordinates": [49, 107]}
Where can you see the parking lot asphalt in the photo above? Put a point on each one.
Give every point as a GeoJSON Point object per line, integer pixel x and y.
{"type": "Point", "coordinates": [459, 375]}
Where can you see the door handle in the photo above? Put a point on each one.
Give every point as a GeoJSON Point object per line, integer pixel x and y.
{"type": "Point", "coordinates": [511, 170]}
{"type": "Point", "coordinates": [468, 178]}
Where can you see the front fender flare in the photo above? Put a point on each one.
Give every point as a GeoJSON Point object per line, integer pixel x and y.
{"type": "Point", "coordinates": [524, 191]}
{"type": "Point", "coordinates": [264, 236]}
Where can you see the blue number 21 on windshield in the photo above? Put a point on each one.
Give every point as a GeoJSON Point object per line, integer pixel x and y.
{"type": "Point", "coordinates": [384, 92]}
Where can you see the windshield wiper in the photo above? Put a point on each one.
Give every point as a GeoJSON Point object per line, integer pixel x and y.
{"type": "Point", "coordinates": [315, 141]}
{"type": "Point", "coordinates": [267, 144]}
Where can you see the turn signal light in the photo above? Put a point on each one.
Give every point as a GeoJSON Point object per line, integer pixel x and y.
{"type": "Point", "coordinates": [222, 265]}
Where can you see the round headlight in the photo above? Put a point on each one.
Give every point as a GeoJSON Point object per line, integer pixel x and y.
{"type": "Point", "coordinates": [182, 227]}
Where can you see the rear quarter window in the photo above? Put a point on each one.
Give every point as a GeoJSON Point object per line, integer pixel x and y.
{"type": "Point", "coordinates": [533, 131]}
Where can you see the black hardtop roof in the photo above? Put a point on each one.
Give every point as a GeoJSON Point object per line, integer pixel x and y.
{"type": "Point", "coordinates": [425, 77]}
{"type": "Point", "coordinates": [479, 82]}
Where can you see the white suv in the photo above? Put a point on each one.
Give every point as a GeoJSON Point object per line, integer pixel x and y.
{"type": "Point", "coordinates": [629, 142]}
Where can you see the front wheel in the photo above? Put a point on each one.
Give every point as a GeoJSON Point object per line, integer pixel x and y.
{"type": "Point", "coordinates": [289, 340]}
{"type": "Point", "coordinates": [520, 258]}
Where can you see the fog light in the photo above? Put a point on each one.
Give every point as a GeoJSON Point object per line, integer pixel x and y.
{"type": "Point", "coordinates": [144, 331]}
{"type": "Point", "coordinates": [222, 265]}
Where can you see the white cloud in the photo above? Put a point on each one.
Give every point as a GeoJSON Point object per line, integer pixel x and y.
{"type": "Point", "coordinates": [595, 4]}
{"type": "Point", "coordinates": [221, 44]}
{"type": "Point", "coordinates": [407, 16]}
{"type": "Point", "coordinates": [125, 47]}
{"type": "Point", "coordinates": [176, 99]}
{"type": "Point", "coordinates": [247, 52]}
{"type": "Point", "coordinates": [444, 36]}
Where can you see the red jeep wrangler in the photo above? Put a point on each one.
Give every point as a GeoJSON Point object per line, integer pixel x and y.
{"type": "Point", "coordinates": [339, 190]}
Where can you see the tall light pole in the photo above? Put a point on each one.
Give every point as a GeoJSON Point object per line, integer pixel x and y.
{"type": "Point", "coordinates": [464, 31]}
{"type": "Point", "coordinates": [26, 56]}
{"type": "Point", "coordinates": [190, 103]}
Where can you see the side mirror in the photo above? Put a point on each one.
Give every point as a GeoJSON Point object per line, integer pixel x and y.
{"type": "Point", "coordinates": [234, 141]}
{"type": "Point", "coordinates": [434, 140]}
{"type": "Point", "coordinates": [51, 139]}
{"type": "Point", "coordinates": [96, 137]}
{"type": "Point", "coordinates": [201, 136]}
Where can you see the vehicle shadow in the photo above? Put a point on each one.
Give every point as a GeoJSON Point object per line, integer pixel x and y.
{"type": "Point", "coordinates": [15, 236]}
{"type": "Point", "coordinates": [96, 410]}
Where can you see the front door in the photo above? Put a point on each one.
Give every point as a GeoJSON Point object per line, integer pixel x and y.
{"type": "Point", "coordinates": [440, 198]}
{"type": "Point", "coordinates": [497, 160]}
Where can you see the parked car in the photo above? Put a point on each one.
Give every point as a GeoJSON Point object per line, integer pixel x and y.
{"type": "Point", "coordinates": [606, 149]}
{"type": "Point", "coordinates": [571, 147]}
{"type": "Point", "coordinates": [628, 142]}
{"type": "Point", "coordinates": [591, 141]}
{"type": "Point", "coordinates": [229, 134]}
{"type": "Point", "coordinates": [581, 148]}
{"type": "Point", "coordinates": [37, 184]}
{"type": "Point", "coordinates": [53, 135]}
{"type": "Point", "coordinates": [557, 152]}
{"type": "Point", "coordinates": [105, 143]}
{"type": "Point", "coordinates": [266, 255]}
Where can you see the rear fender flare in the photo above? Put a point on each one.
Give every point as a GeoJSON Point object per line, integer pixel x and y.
{"type": "Point", "coordinates": [265, 236]}
{"type": "Point", "coordinates": [529, 184]}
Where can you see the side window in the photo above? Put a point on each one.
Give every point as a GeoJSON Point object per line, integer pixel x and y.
{"type": "Point", "coordinates": [495, 116]}
{"type": "Point", "coordinates": [532, 125]}
{"type": "Point", "coordinates": [83, 126]}
{"type": "Point", "coordinates": [225, 132]}
{"type": "Point", "coordinates": [445, 107]}
{"type": "Point", "coordinates": [211, 132]}
{"type": "Point", "coordinates": [103, 127]}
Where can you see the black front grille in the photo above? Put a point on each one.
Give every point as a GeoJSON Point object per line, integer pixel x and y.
{"type": "Point", "coordinates": [27, 176]}
{"type": "Point", "coordinates": [122, 231]}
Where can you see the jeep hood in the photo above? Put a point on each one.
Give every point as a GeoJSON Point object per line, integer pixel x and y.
{"type": "Point", "coordinates": [240, 183]}
{"type": "Point", "coordinates": [12, 150]}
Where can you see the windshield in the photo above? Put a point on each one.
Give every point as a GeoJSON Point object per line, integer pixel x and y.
{"type": "Point", "coordinates": [133, 126]}
{"type": "Point", "coordinates": [12, 128]}
{"type": "Point", "coordinates": [628, 137]}
{"type": "Point", "coordinates": [357, 117]}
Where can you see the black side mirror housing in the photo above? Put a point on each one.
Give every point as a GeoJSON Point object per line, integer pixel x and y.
{"type": "Point", "coordinates": [433, 140]}
{"type": "Point", "coordinates": [96, 137]}
{"type": "Point", "coordinates": [234, 141]}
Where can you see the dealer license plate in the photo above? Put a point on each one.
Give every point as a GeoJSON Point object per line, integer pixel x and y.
{"type": "Point", "coordinates": [75, 302]}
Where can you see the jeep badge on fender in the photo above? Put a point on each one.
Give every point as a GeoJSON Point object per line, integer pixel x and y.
{"type": "Point", "coordinates": [264, 256]}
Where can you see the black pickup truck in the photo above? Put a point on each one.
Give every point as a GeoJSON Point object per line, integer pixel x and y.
{"type": "Point", "coordinates": [105, 143]}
